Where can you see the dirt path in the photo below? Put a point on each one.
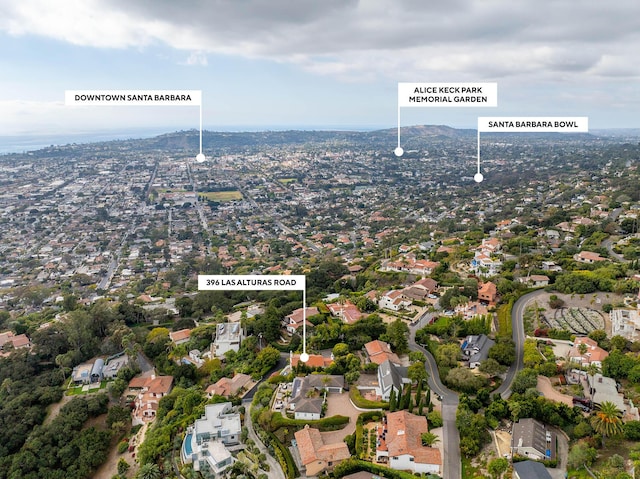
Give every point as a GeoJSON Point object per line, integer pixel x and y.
{"type": "Point", "coordinates": [502, 442]}
{"type": "Point", "coordinates": [54, 409]}
{"type": "Point", "coordinates": [547, 390]}
{"type": "Point", "coordinates": [110, 466]}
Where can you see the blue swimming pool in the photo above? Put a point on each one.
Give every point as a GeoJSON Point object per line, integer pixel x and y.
{"type": "Point", "coordinates": [188, 451]}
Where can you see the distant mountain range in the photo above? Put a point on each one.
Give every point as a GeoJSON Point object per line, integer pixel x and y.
{"type": "Point", "coordinates": [386, 139]}
{"type": "Point", "coordinates": [382, 138]}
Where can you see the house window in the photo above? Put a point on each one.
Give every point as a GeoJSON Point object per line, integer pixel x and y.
{"type": "Point", "coordinates": [411, 459]}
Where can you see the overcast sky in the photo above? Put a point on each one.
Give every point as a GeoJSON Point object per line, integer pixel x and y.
{"type": "Point", "coordinates": [315, 63]}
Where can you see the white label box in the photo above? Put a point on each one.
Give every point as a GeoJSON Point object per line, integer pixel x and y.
{"type": "Point", "coordinates": [251, 282]}
{"type": "Point", "coordinates": [447, 95]}
{"type": "Point", "coordinates": [133, 97]}
{"type": "Point", "coordinates": [534, 124]}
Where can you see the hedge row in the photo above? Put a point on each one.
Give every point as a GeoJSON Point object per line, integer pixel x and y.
{"type": "Point", "coordinates": [359, 432]}
{"type": "Point", "coordinates": [362, 418]}
{"type": "Point", "coordinates": [354, 465]}
{"type": "Point", "coordinates": [504, 320]}
{"type": "Point", "coordinates": [369, 416]}
{"type": "Point", "coordinates": [363, 403]}
{"type": "Point", "coordinates": [325, 424]}
{"type": "Point", "coordinates": [284, 457]}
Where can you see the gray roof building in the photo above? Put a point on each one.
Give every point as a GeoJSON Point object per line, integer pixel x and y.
{"type": "Point", "coordinates": [332, 383]}
{"type": "Point", "coordinates": [114, 364]}
{"type": "Point", "coordinates": [604, 389]}
{"type": "Point", "coordinates": [391, 377]}
{"type": "Point", "coordinates": [530, 438]}
{"type": "Point", "coordinates": [96, 370]}
{"type": "Point", "coordinates": [475, 349]}
{"type": "Point", "coordinates": [530, 470]}
{"type": "Point", "coordinates": [309, 405]}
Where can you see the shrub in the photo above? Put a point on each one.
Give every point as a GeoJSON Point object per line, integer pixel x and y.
{"type": "Point", "coordinates": [326, 424]}
{"type": "Point", "coordinates": [123, 446]}
{"type": "Point", "coordinates": [363, 403]}
{"type": "Point", "coordinates": [434, 419]}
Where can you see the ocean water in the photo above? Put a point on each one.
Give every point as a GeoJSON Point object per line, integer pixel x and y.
{"type": "Point", "coordinates": [24, 143]}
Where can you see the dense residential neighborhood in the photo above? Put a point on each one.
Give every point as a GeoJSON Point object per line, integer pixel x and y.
{"type": "Point", "coordinates": [453, 329]}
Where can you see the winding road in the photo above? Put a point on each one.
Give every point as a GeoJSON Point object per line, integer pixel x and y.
{"type": "Point", "coordinates": [452, 466]}
{"type": "Point", "coordinates": [517, 326]}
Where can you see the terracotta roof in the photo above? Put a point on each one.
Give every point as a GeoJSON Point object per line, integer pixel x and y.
{"type": "Point", "coordinates": [379, 352]}
{"type": "Point", "coordinates": [348, 311]}
{"type": "Point", "coordinates": [377, 347]}
{"type": "Point", "coordinates": [488, 288]}
{"type": "Point", "coordinates": [157, 384]}
{"type": "Point", "coordinates": [312, 448]}
{"type": "Point", "coordinates": [403, 436]}
{"type": "Point", "coordinates": [591, 256]}
{"type": "Point", "coordinates": [20, 341]}
{"type": "Point", "coordinates": [229, 386]}
{"type": "Point", "coordinates": [180, 335]}
{"type": "Point", "coordinates": [422, 263]}
{"type": "Point", "coordinates": [138, 382]}
{"type": "Point", "coordinates": [315, 361]}
{"type": "Point", "coordinates": [393, 294]}
{"type": "Point", "coordinates": [297, 315]}
{"type": "Point", "coordinates": [427, 283]}
{"type": "Point", "coordinates": [539, 277]}
{"type": "Point", "coordinates": [594, 352]}
{"type": "Point", "coordinates": [160, 385]}
{"type": "Point", "coordinates": [5, 337]}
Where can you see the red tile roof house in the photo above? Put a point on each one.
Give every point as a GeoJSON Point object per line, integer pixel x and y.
{"type": "Point", "coordinates": [19, 341]}
{"type": "Point", "coordinates": [315, 455]}
{"type": "Point", "coordinates": [416, 293]}
{"type": "Point", "coordinates": [230, 386]}
{"type": "Point", "coordinates": [379, 351]}
{"type": "Point", "coordinates": [315, 360]}
{"type": "Point", "coordinates": [588, 257]}
{"type": "Point", "coordinates": [400, 444]}
{"type": "Point", "coordinates": [347, 311]}
{"type": "Point", "coordinates": [152, 389]}
{"type": "Point", "coordinates": [488, 292]}
{"type": "Point", "coordinates": [294, 320]}
{"type": "Point", "coordinates": [593, 354]}
{"type": "Point", "coordinates": [180, 337]}
{"type": "Point", "coordinates": [394, 300]}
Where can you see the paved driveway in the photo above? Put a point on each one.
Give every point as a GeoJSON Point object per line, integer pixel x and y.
{"type": "Point", "coordinates": [339, 404]}
{"type": "Point", "coordinates": [546, 388]}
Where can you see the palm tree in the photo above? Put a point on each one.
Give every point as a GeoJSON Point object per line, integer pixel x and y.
{"type": "Point", "coordinates": [429, 439]}
{"type": "Point", "coordinates": [607, 420]}
{"type": "Point", "coordinates": [149, 471]}
{"type": "Point", "coordinates": [7, 384]}
{"type": "Point", "coordinates": [592, 370]}
{"type": "Point", "coordinates": [582, 349]}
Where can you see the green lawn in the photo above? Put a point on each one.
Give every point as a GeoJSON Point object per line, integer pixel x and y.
{"type": "Point", "coordinates": [469, 471]}
{"type": "Point", "coordinates": [222, 196]}
{"type": "Point", "coordinates": [286, 181]}
{"type": "Point", "coordinates": [579, 474]}
{"type": "Point", "coordinates": [77, 390]}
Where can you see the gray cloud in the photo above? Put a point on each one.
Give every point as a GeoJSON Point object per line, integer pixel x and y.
{"type": "Point", "coordinates": [361, 39]}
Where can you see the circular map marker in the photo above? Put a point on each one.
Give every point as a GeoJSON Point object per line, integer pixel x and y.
{"type": "Point", "coordinates": [304, 357]}
{"type": "Point", "coordinates": [398, 151]}
{"type": "Point", "coordinates": [200, 158]}
{"type": "Point", "coordinates": [478, 177]}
